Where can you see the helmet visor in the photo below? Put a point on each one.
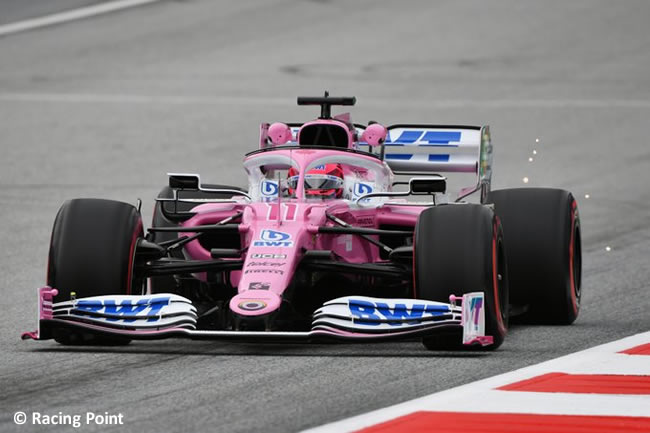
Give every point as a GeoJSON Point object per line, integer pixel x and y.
{"type": "Point", "coordinates": [322, 181]}
{"type": "Point", "coordinates": [316, 182]}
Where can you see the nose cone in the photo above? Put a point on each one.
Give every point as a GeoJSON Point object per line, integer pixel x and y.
{"type": "Point", "coordinates": [254, 303]}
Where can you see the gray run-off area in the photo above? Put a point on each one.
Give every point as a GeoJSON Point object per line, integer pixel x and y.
{"type": "Point", "coordinates": [105, 106]}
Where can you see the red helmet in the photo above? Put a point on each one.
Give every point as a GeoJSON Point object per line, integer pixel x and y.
{"type": "Point", "coordinates": [324, 181]}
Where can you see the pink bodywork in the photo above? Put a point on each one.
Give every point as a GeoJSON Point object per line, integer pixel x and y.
{"type": "Point", "coordinates": [269, 266]}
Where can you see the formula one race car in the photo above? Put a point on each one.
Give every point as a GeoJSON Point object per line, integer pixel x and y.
{"type": "Point", "coordinates": [324, 244]}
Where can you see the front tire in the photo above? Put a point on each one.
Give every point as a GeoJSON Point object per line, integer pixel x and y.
{"type": "Point", "coordinates": [92, 253]}
{"type": "Point", "coordinates": [459, 249]}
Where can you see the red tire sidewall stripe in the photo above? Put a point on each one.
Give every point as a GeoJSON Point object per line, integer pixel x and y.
{"type": "Point", "coordinates": [129, 274]}
{"type": "Point", "coordinates": [574, 301]}
{"type": "Point", "coordinates": [501, 327]}
{"type": "Point", "coordinates": [49, 252]}
{"type": "Point", "coordinates": [49, 260]}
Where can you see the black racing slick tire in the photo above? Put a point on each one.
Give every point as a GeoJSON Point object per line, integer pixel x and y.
{"type": "Point", "coordinates": [92, 253]}
{"type": "Point", "coordinates": [541, 228]}
{"type": "Point", "coordinates": [459, 249]}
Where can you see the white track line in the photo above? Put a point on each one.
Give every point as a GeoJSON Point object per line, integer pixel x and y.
{"type": "Point", "coordinates": [71, 15]}
{"type": "Point", "coordinates": [482, 396]}
{"type": "Point", "coordinates": [99, 98]}
{"type": "Point", "coordinates": [116, 98]}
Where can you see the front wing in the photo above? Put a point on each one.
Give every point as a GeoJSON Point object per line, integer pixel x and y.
{"type": "Point", "coordinates": [350, 318]}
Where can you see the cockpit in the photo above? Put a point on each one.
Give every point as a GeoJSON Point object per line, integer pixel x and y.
{"type": "Point", "coordinates": [294, 173]}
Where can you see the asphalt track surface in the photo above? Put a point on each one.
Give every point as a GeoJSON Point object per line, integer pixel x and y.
{"type": "Point", "coordinates": [104, 107]}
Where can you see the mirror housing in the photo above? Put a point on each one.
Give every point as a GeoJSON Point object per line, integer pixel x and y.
{"type": "Point", "coordinates": [374, 134]}
{"type": "Point", "coordinates": [428, 185]}
{"type": "Point", "coordinates": [184, 181]}
{"type": "Point", "coordinates": [279, 133]}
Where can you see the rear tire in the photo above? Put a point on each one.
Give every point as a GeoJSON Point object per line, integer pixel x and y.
{"type": "Point", "coordinates": [542, 230]}
{"type": "Point", "coordinates": [459, 249]}
{"type": "Point", "coordinates": [92, 253]}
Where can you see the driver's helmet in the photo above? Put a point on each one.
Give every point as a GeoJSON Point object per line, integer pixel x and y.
{"type": "Point", "coordinates": [323, 181]}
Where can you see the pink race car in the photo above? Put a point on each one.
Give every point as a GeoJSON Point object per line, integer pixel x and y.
{"type": "Point", "coordinates": [324, 244]}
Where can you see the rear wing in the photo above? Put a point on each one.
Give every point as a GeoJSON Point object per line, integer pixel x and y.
{"type": "Point", "coordinates": [427, 149]}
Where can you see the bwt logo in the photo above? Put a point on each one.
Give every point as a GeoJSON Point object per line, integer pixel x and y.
{"type": "Point", "coordinates": [370, 313]}
{"type": "Point", "coordinates": [273, 238]}
{"type": "Point", "coordinates": [126, 308]}
{"type": "Point", "coordinates": [362, 189]}
{"type": "Point", "coordinates": [273, 235]}
{"type": "Point", "coordinates": [269, 188]}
